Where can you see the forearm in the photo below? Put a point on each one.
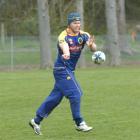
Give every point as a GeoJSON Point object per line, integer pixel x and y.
{"type": "Point", "coordinates": [92, 47]}
{"type": "Point", "coordinates": [91, 44]}
{"type": "Point", "coordinates": [65, 49]}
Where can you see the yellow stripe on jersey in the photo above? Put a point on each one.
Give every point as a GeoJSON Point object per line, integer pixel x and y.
{"type": "Point", "coordinates": [61, 37]}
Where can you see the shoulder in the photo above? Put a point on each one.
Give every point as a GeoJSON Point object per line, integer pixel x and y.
{"type": "Point", "coordinates": [62, 35]}
{"type": "Point", "coordinates": [84, 33]}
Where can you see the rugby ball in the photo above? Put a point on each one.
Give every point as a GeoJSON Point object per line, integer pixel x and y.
{"type": "Point", "coordinates": [98, 57]}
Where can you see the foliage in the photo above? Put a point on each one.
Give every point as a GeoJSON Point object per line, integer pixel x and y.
{"type": "Point", "coordinates": [95, 16]}
{"type": "Point", "coordinates": [20, 17]}
{"type": "Point", "coordinates": [133, 10]}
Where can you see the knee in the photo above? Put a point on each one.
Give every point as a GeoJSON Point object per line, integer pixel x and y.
{"type": "Point", "coordinates": [74, 96]}
{"type": "Point", "coordinates": [75, 100]}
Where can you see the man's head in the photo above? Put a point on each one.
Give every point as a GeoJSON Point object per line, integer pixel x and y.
{"type": "Point", "coordinates": [74, 16]}
{"type": "Point", "coordinates": [74, 21]}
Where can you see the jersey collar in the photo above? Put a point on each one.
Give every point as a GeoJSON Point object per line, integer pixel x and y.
{"type": "Point", "coordinates": [71, 33]}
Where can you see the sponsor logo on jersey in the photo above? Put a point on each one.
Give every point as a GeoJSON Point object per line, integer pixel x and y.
{"type": "Point", "coordinates": [70, 41]}
{"type": "Point", "coordinates": [75, 48]}
{"type": "Point", "coordinates": [80, 40]}
{"type": "Point", "coordinates": [68, 77]}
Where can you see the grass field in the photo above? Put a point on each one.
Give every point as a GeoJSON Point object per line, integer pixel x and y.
{"type": "Point", "coordinates": [110, 104]}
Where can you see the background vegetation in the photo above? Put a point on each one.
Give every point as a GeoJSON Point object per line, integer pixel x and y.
{"type": "Point", "coordinates": [20, 17]}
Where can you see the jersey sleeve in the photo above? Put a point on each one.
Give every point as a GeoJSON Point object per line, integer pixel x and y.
{"type": "Point", "coordinates": [62, 38]}
{"type": "Point", "coordinates": [85, 35]}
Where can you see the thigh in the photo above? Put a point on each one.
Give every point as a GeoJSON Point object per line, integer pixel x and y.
{"type": "Point", "coordinates": [66, 82]}
{"type": "Point", "coordinates": [55, 94]}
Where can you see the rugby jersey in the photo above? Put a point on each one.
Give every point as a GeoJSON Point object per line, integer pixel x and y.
{"type": "Point", "coordinates": [76, 43]}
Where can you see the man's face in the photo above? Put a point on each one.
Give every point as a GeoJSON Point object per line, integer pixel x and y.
{"type": "Point", "coordinates": [75, 26]}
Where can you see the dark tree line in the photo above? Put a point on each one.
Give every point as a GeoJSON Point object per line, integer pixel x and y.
{"type": "Point", "coordinates": [20, 16]}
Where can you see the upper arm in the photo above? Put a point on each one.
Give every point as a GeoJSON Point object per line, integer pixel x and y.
{"type": "Point", "coordinates": [89, 40]}
{"type": "Point", "coordinates": [62, 39]}
{"type": "Point", "coordinates": [86, 36]}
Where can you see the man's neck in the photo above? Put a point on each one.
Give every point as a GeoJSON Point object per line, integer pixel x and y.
{"type": "Point", "coordinates": [71, 32]}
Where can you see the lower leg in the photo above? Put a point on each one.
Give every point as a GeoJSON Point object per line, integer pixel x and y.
{"type": "Point", "coordinates": [48, 105]}
{"type": "Point", "coordinates": [75, 109]}
{"type": "Point", "coordinates": [78, 121]}
{"type": "Point", "coordinates": [38, 119]}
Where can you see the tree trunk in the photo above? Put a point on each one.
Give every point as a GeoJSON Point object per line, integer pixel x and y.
{"type": "Point", "coordinates": [80, 9]}
{"type": "Point", "coordinates": [112, 34]}
{"type": "Point", "coordinates": [44, 32]}
{"type": "Point", "coordinates": [2, 35]}
{"type": "Point", "coordinates": [123, 42]}
{"type": "Point", "coordinates": [61, 11]}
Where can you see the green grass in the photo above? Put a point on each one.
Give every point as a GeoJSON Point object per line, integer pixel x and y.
{"type": "Point", "coordinates": [110, 104]}
{"type": "Point", "coordinates": [27, 52]}
{"type": "Point", "coordinates": [20, 58]}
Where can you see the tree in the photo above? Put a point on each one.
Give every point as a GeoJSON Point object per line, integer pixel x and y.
{"type": "Point", "coordinates": [80, 9]}
{"type": "Point", "coordinates": [2, 35]}
{"type": "Point", "coordinates": [112, 32]}
{"type": "Point", "coordinates": [44, 33]}
{"type": "Point", "coordinates": [123, 42]}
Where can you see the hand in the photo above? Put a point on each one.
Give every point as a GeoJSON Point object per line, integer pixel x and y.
{"type": "Point", "coordinates": [66, 56]}
{"type": "Point", "coordinates": [91, 40]}
{"type": "Point", "coordinates": [91, 43]}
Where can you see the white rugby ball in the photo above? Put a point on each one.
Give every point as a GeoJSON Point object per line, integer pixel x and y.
{"type": "Point", "coordinates": [98, 57]}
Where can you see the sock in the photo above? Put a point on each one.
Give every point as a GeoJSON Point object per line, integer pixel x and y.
{"type": "Point", "coordinates": [78, 121]}
{"type": "Point", "coordinates": [38, 119]}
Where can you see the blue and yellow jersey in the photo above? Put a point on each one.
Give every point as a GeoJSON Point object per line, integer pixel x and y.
{"type": "Point", "coordinates": [76, 43]}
